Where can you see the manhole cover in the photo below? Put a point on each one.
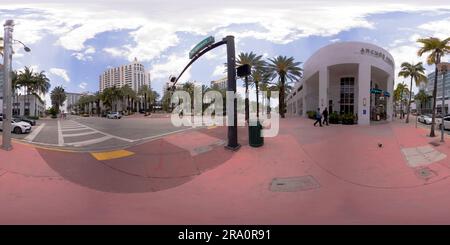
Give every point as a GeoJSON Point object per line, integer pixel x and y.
{"type": "Point", "coordinates": [424, 173]}
{"type": "Point", "coordinates": [292, 184]}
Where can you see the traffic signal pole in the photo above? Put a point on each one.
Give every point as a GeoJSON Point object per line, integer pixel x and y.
{"type": "Point", "coordinates": [231, 87]}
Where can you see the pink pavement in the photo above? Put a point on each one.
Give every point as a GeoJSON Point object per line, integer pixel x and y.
{"type": "Point", "coordinates": [189, 178]}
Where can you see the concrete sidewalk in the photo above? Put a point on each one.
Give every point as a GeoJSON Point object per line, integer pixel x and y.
{"type": "Point", "coordinates": [379, 174]}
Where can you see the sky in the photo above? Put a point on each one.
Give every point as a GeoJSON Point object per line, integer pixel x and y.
{"type": "Point", "coordinates": [75, 41]}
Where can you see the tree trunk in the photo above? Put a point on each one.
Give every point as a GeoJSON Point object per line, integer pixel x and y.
{"type": "Point", "coordinates": [247, 104]}
{"type": "Point", "coordinates": [281, 97]}
{"type": "Point", "coordinates": [409, 102]}
{"type": "Point", "coordinates": [433, 119]}
{"type": "Point", "coordinates": [257, 101]}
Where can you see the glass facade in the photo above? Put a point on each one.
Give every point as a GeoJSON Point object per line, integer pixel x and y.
{"type": "Point", "coordinates": [347, 95]}
{"type": "Point", "coordinates": [430, 85]}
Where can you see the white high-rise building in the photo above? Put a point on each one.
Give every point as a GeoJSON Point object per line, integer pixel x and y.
{"type": "Point", "coordinates": [133, 74]}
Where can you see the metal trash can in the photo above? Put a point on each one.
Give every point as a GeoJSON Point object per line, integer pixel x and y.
{"type": "Point", "coordinates": [254, 134]}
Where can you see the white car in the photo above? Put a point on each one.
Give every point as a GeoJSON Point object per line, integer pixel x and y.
{"type": "Point", "coordinates": [446, 123]}
{"type": "Point", "coordinates": [114, 115]}
{"type": "Point", "coordinates": [424, 119]}
{"type": "Point", "coordinates": [17, 127]}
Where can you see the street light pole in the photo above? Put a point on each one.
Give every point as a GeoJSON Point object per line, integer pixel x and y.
{"type": "Point", "coordinates": [7, 65]}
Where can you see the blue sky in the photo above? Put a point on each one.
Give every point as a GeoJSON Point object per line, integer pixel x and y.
{"type": "Point", "coordinates": [75, 42]}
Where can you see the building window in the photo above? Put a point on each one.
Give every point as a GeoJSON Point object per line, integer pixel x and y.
{"type": "Point", "coordinates": [347, 95]}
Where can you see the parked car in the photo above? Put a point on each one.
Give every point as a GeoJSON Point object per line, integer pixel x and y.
{"type": "Point", "coordinates": [424, 119]}
{"type": "Point", "coordinates": [32, 122]}
{"type": "Point", "coordinates": [446, 124]}
{"type": "Point", "coordinates": [17, 127]}
{"type": "Point", "coordinates": [114, 115]}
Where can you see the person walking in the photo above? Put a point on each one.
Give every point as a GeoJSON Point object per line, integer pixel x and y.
{"type": "Point", "coordinates": [325, 116]}
{"type": "Point", "coordinates": [318, 117]}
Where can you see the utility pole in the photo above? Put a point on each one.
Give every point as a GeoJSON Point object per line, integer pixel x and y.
{"type": "Point", "coordinates": [7, 65]}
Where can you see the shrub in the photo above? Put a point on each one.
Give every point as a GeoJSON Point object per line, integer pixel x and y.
{"type": "Point", "coordinates": [311, 114]}
{"type": "Point", "coordinates": [335, 118]}
{"type": "Point", "coordinates": [52, 111]}
{"type": "Point", "coordinates": [348, 119]}
{"type": "Point", "coordinates": [33, 117]}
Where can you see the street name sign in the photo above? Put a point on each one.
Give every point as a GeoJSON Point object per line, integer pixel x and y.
{"type": "Point", "coordinates": [201, 46]}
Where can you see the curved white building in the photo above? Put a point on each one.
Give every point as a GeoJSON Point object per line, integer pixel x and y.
{"type": "Point", "coordinates": [346, 77]}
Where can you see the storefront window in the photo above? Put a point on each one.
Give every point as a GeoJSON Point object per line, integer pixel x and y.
{"type": "Point", "coordinates": [347, 95]}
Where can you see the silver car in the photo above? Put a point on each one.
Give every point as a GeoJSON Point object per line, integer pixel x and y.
{"type": "Point", "coordinates": [114, 115]}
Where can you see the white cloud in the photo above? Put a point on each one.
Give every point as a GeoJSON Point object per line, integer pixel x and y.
{"type": "Point", "coordinates": [60, 73]}
{"type": "Point", "coordinates": [155, 31]}
{"type": "Point", "coordinates": [172, 66]}
{"type": "Point", "coordinates": [219, 71]}
{"type": "Point", "coordinates": [440, 28]}
{"type": "Point", "coordinates": [82, 85]}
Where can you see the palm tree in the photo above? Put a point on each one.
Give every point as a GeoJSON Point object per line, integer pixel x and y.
{"type": "Point", "coordinates": [417, 73]}
{"type": "Point", "coordinates": [97, 98]}
{"type": "Point", "coordinates": [41, 85]}
{"type": "Point", "coordinates": [128, 93]}
{"type": "Point", "coordinates": [1, 46]}
{"type": "Point", "coordinates": [259, 76]}
{"type": "Point", "coordinates": [190, 87]}
{"type": "Point", "coordinates": [254, 61]}
{"type": "Point", "coordinates": [107, 97]}
{"type": "Point", "coordinates": [437, 49]}
{"type": "Point", "coordinates": [144, 91]}
{"type": "Point", "coordinates": [26, 79]}
{"type": "Point", "coordinates": [398, 95]}
{"type": "Point", "coordinates": [58, 96]}
{"type": "Point", "coordinates": [286, 69]}
{"type": "Point", "coordinates": [422, 97]}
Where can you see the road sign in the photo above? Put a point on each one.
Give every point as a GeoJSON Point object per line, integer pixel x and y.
{"type": "Point", "coordinates": [200, 46]}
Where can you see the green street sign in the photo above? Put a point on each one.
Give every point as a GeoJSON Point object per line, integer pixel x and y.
{"type": "Point", "coordinates": [376, 91]}
{"type": "Point", "coordinates": [200, 46]}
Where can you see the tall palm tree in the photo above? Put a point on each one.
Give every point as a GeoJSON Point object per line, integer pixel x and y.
{"type": "Point", "coordinates": [144, 91]}
{"type": "Point", "coordinates": [254, 61]}
{"type": "Point", "coordinates": [417, 73]}
{"type": "Point", "coordinates": [128, 93]}
{"type": "Point", "coordinates": [422, 97]}
{"type": "Point", "coordinates": [58, 96]}
{"type": "Point", "coordinates": [287, 70]}
{"type": "Point", "coordinates": [258, 77]}
{"type": "Point", "coordinates": [107, 97]}
{"type": "Point", "coordinates": [26, 79]}
{"type": "Point", "coordinates": [97, 98]}
{"type": "Point", "coordinates": [190, 87]}
{"type": "Point", "coordinates": [268, 88]}
{"type": "Point", "coordinates": [437, 49]}
{"type": "Point", "coordinates": [399, 91]}
{"type": "Point", "coordinates": [40, 86]}
{"type": "Point", "coordinates": [1, 46]}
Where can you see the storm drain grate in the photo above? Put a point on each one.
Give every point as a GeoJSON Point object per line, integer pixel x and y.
{"type": "Point", "coordinates": [424, 173]}
{"type": "Point", "coordinates": [292, 184]}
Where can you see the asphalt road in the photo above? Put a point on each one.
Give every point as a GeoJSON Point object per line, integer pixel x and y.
{"type": "Point", "coordinates": [94, 133]}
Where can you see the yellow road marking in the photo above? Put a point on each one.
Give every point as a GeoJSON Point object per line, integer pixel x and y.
{"type": "Point", "coordinates": [108, 155]}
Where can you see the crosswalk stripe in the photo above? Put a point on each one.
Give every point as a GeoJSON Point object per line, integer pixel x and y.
{"type": "Point", "coordinates": [34, 133]}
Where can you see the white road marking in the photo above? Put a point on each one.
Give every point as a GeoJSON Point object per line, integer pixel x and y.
{"type": "Point", "coordinates": [88, 142]}
{"type": "Point", "coordinates": [34, 133]}
{"type": "Point", "coordinates": [79, 134]}
{"type": "Point", "coordinates": [60, 137]}
{"type": "Point", "coordinates": [75, 129]}
{"type": "Point", "coordinates": [110, 135]}
{"type": "Point", "coordinates": [164, 134]}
